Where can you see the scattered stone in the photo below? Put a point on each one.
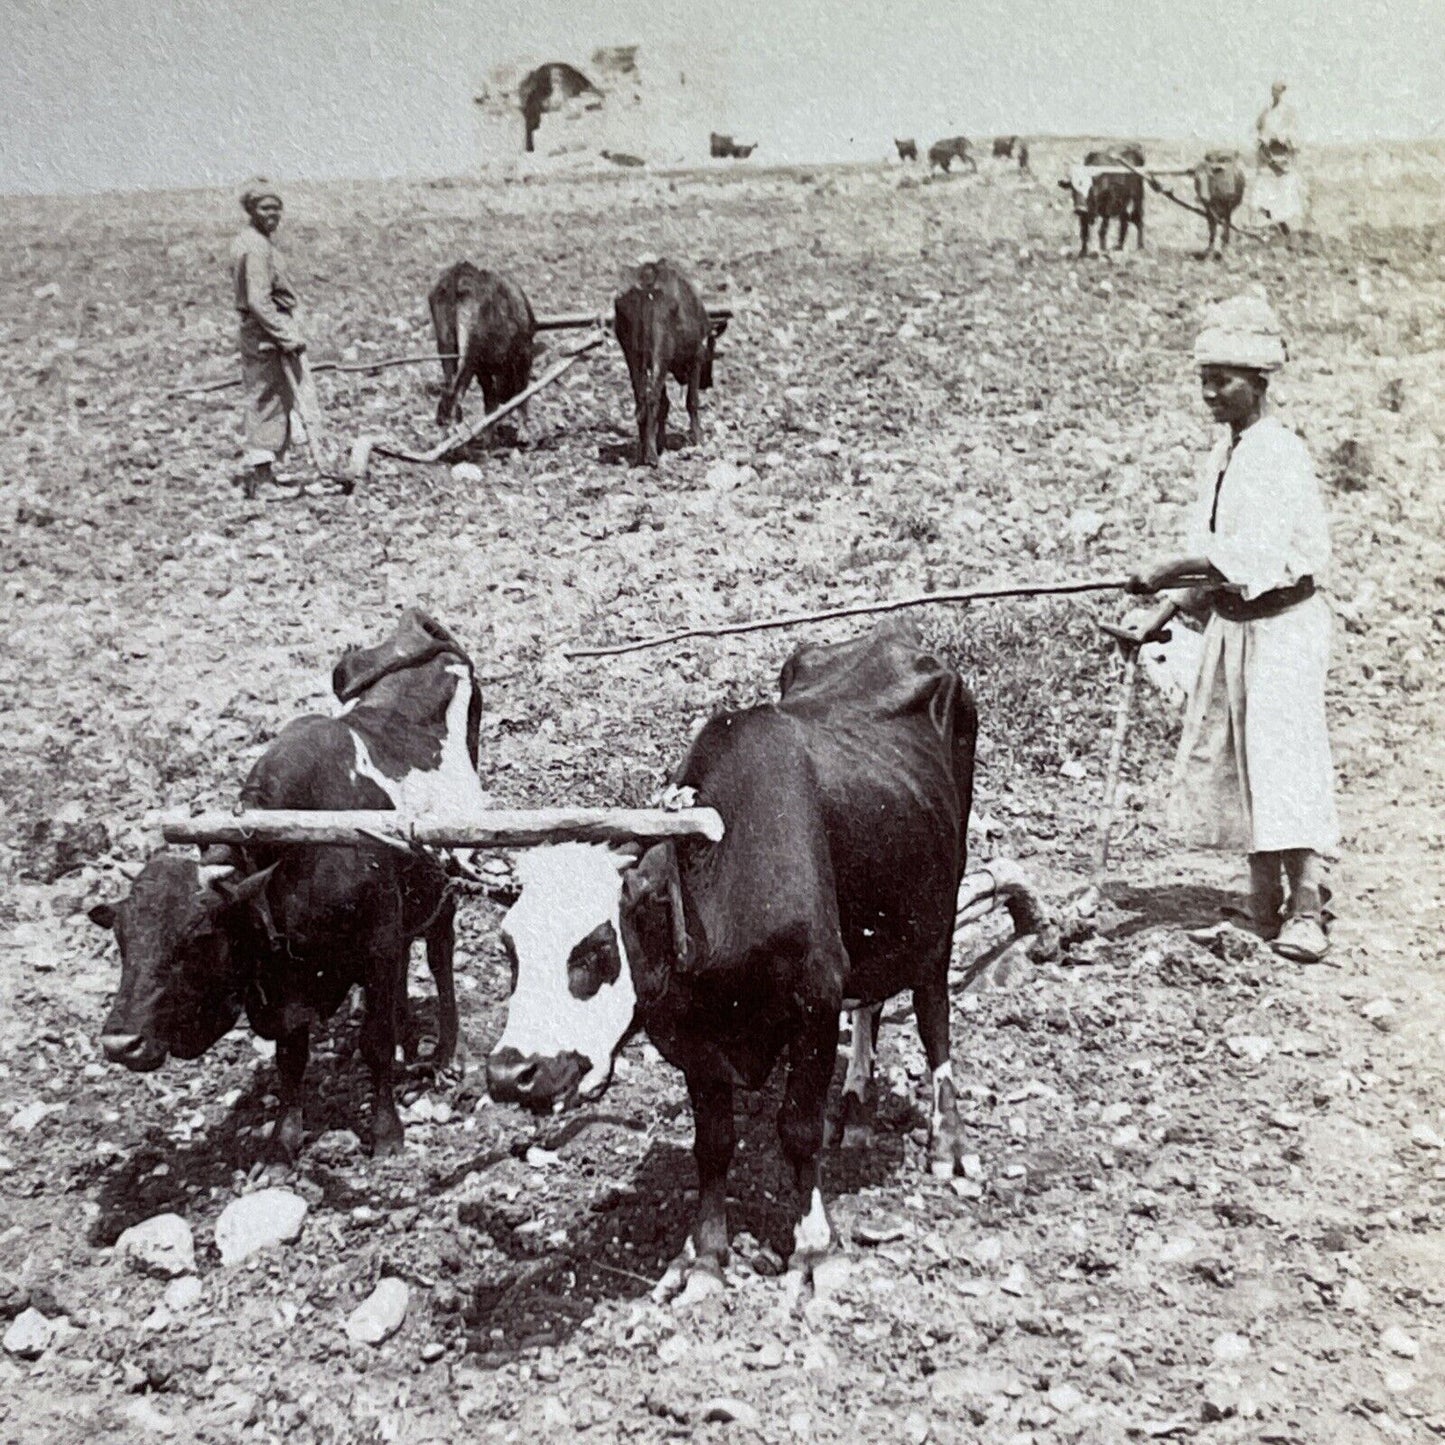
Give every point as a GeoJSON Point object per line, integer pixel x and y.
{"type": "Point", "coordinates": [1250, 1046]}
{"type": "Point", "coordinates": [1354, 1296]}
{"type": "Point", "coordinates": [731, 1412]}
{"type": "Point", "coordinates": [1177, 1249]}
{"type": "Point", "coordinates": [1285, 1119]}
{"type": "Point", "coordinates": [467, 473]}
{"type": "Point", "coordinates": [30, 1335]}
{"type": "Point", "coordinates": [830, 1276]}
{"type": "Point", "coordinates": [556, 1416]}
{"type": "Point", "coordinates": [379, 1315]}
{"type": "Point", "coordinates": [672, 1351]}
{"type": "Point", "coordinates": [1381, 1013]}
{"type": "Point", "coordinates": [24, 1120]}
{"type": "Point", "coordinates": [1399, 1343]}
{"type": "Point", "coordinates": [1230, 1349]}
{"type": "Point", "coordinates": [1398, 1382]}
{"type": "Point", "coordinates": [432, 1351]}
{"type": "Point", "coordinates": [14, 1296]}
{"type": "Point", "coordinates": [702, 1284]}
{"type": "Point", "coordinates": [334, 1146]}
{"type": "Point", "coordinates": [880, 1231]}
{"type": "Point", "coordinates": [1115, 1113]}
{"type": "Point", "coordinates": [144, 1416]}
{"type": "Point", "coordinates": [257, 1221]}
{"type": "Point", "coordinates": [1424, 1137]}
{"type": "Point", "coordinates": [768, 1356]}
{"type": "Point", "coordinates": [1016, 1281]}
{"type": "Point", "coordinates": [183, 1294]}
{"type": "Point", "coordinates": [1221, 1400]}
{"type": "Point", "coordinates": [1065, 1398]}
{"type": "Point", "coordinates": [539, 1158]}
{"type": "Point", "coordinates": [161, 1246]}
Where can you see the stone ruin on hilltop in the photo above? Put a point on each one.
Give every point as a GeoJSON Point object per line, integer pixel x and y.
{"type": "Point", "coordinates": [622, 104]}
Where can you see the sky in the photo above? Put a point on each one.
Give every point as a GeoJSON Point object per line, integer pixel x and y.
{"type": "Point", "coordinates": [131, 94]}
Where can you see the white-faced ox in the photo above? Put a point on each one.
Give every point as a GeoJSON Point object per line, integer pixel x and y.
{"type": "Point", "coordinates": [845, 807]}
{"type": "Point", "coordinates": [282, 933]}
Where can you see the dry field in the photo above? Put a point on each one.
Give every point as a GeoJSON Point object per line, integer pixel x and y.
{"type": "Point", "coordinates": [1210, 1190]}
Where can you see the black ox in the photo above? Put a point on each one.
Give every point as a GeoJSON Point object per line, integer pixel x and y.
{"type": "Point", "coordinates": [1108, 195]}
{"type": "Point", "coordinates": [484, 320]}
{"type": "Point", "coordinates": [846, 807]}
{"type": "Point", "coordinates": [282, 934]}
{"type": "Point", "coordinates": [664, 329]}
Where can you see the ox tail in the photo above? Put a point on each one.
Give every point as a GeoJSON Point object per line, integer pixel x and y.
{"type": "Point", "coordinates": [1035, 936]}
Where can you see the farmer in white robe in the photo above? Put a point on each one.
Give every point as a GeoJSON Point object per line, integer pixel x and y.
{"type": "Point", "coordinates": [1278, 193]}
{"type": "Point", "coordinates": [1253, 770]}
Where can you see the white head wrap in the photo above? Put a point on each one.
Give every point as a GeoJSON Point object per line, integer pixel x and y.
{"type": "Point", "coordinates": [257, 189]}
{"type": "Point", "coordinates": [1243, 331]}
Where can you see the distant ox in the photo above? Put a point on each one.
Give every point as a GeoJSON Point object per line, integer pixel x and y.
{"type": "Point", "coordinates": [724, 147]}
{"type": "Point", "coordinates": [907, 149]}
{"type": "Point", "coordinates": [1219, 185]}
{"type": "Point", "coordinates": [1102, 194]}
{"type": "Point", "coordinates": [943, 153]}
{"type": "Point", "coordinates": [664, 330]}
{"type": "Point", "coordinates": [484, 319]}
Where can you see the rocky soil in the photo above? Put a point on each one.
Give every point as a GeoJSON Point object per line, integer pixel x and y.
{"type": "Point", "coordinates": [1207, 1190]}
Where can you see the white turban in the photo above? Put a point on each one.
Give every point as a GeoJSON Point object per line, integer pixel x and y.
{"type": "Point", "coordinates": [256, 190]}
{"type": "Point", "coordinates": [1243, 331]}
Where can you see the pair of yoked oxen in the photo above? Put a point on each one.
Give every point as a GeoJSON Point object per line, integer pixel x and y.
{"type": "Point", "coordinates": [835, 885]}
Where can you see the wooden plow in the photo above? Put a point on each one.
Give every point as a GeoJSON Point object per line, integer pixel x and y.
{"type": "Point", "coordinates": [365, 447]}
{"type": "Point", "coordinates": [1155, 176]}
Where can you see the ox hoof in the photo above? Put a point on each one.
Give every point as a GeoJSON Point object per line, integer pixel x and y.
{"type": "Point", "coordinates": [689, 1281]}
{"type": "Point", "coordinates": [387, 1138]}
{"type": "Point", "coordinates": [287, 1139]}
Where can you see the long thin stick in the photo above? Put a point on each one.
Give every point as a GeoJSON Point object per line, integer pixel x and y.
{"type": "Point", "coordinates": [359, 366]}
{"type": "Point", "coordinates": [1116, 757]}
{"type": "Point", "coordinates": [494, 828]}
{"type": "Point", "coordinates": [862, 609]}
{"type": "Point", "coordinates": [1178, 201]}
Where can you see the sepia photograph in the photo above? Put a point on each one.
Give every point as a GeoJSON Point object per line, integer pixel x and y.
{"type": "Point", "coordinates": [722, 723]}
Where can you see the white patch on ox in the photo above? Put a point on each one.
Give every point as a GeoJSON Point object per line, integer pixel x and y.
{"type": "Point", "coordinates": [860, 1057]}
{"type": "Point", "coordinates": [567, 891]}
{"type": "Point", "coordinates": [1081, 182]}
{"type": "Point", "coordinates": [942, 1075]}
{"type": "Point", "coordinates": [450, 789]}
{"type": "Point", "coordinates": [812, 1234]}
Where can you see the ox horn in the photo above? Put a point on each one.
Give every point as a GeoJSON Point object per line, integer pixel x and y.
{"type": "Point", "coordinates": [212, 873]}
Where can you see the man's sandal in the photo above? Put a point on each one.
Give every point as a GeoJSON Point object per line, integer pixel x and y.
{"type": "Point", "coordinates": [1302, 938]}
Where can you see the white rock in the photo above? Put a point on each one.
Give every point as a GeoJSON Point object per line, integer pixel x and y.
{"type": "Point", "coordinates": [257, 1221]}
{"type": "Point", "coordinates": [29, 1335]}
{"type": "Point", "coordinates": [379, 1315]}
{"type": "Point", "coordinates": [1399, 1343]}
{"type": "Point", "coordinates": [1425, 1137]}
{"type": "Point", "coordinates": [1229, 1349]}
{"type": "Point", "coordinates": [730, 1411]}
{"type": "Point", "coordinates": [1397, 1382]}
{"type": "Point", "coordinates": [144, 1416]}
{"type": "Point", "coordinates": [1354, 1296]}
{"type": "Point", "coordinates": [161, 1246]}
{"type": "Point", "coordinates": [830, 1276]}
{"type": "Point", "coordinates": [1115, 1113]}
{"type": "Point", "coordinates": [1250, 1046]}
{"type": "Point", "coordinates": [182, 1294]}
{"type": "Point", "coordinates": [1065, 1399]}
{"type": "Point", "coordinates": [24, 1120]}
{"type": "Point", "coordinates": [1176, 1249]}
{"type": "Point", "coordinates": [468, 473]}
